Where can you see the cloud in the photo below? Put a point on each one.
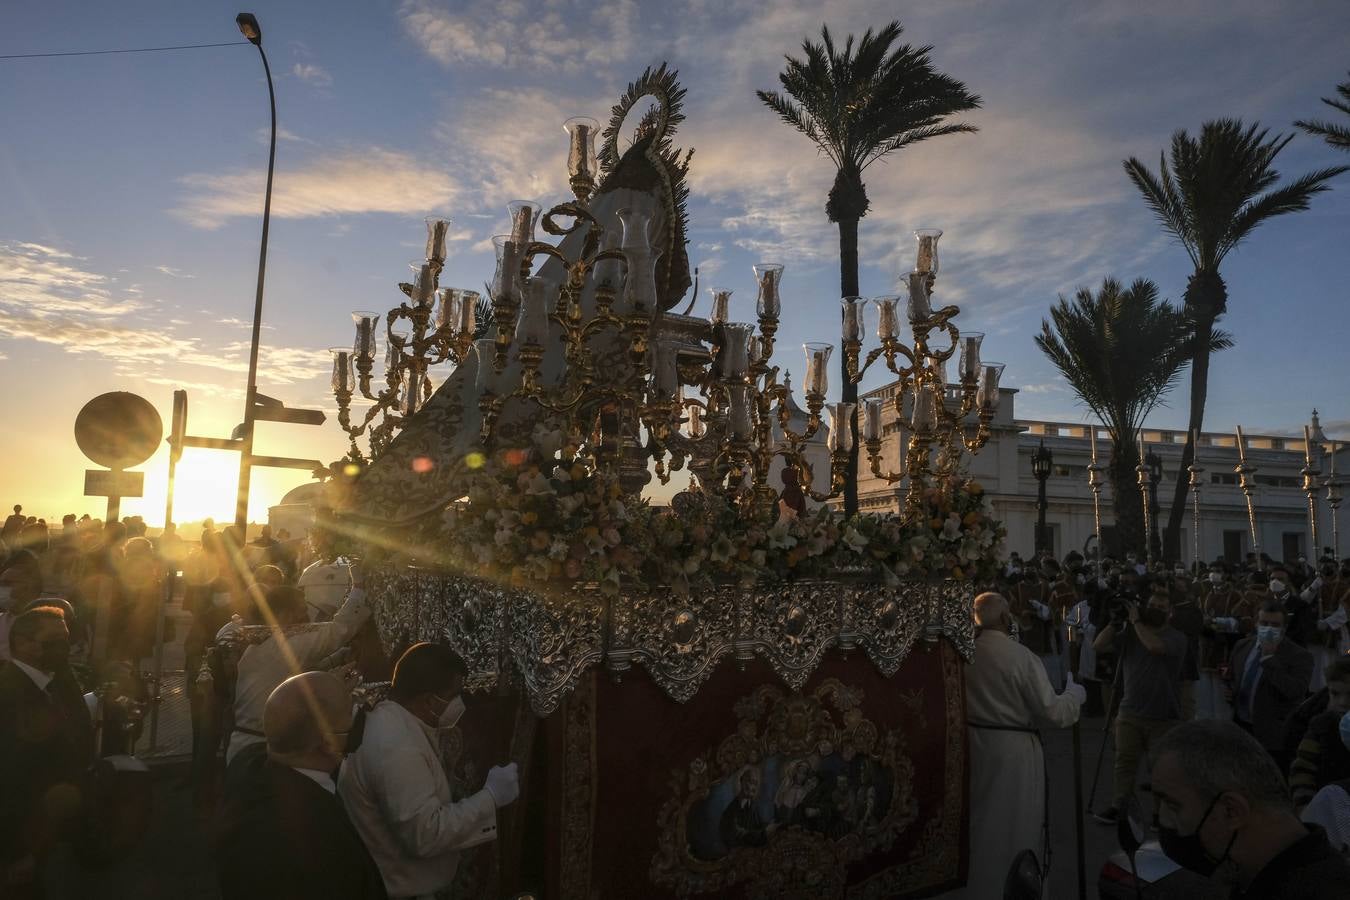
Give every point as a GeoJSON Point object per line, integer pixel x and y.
{"type": "Point", "coordinates": [172, 272]}
{"type": "Point", "coordinates": [371, 180]}
{"type": "Point", "coordinates": [42, 280]}
{"type": "Point", "coordinates": [565, 35]}
{"type": "Point", "coordinates": [312, 74]}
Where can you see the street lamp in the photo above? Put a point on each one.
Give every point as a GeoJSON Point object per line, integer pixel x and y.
{"type": "Point", "coordinates": [1041, 461]}
{"type": "Point", "coordinates": [249, 27]}
{"type": "Point", "coordinates": [1155, 473]}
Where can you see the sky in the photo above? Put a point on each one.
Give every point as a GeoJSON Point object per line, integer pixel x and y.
{"type": "Point", "coordinates": [131, 191]}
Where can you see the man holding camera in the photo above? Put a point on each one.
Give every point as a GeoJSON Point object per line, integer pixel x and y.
{"type": "Point", "coordinates": [1151, 654]}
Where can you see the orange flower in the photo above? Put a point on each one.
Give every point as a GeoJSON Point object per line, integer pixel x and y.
{"type": "Point", "coordinates": [958, 574]}
{"type": "Point", "coordinates": [971, 519]}
{"type": "Point", "coordinates": [529, 518]}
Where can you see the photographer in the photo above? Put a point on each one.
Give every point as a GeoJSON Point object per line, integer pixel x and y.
{"type": "Point", "coordinates": [1150, 654]}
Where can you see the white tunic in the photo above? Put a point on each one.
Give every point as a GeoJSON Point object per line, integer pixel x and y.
{"type": "Point", "coordinates": [1006, 685]}
{"type": "Point", "coordinates": [397, 795]}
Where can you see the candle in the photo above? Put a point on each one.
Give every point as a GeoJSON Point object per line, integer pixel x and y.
{"type": "Point", "coordinates": [924, 415]}
{"type": "Point", "coordinates": [986, 395]}
{"type": "Point", "coordinates": [424, 286]}
{"type": "Point", "coordinates": [887, 321]}
{"type": "Point", "coordinates": [756, 345]}
{"type": "Point", "coordinates": [1307, 447]}
{"type": "Point", "coordinates": [1241, 446]}
{"type": "Point", "coordinates": [523, 214]}
{"type": "Point", "coordinates": [532, 326]}
{"type": "Point", "coordinates": [721, 306]}
{"type": "Point", "coordinates": [1092, 438]}
{"type": "Point", "coordinates": [737, 349]}
{"type": "Point", "coordinates": [851, 308]}
{"type": "Point", "coordinates": [364, 345]}
{"type": "Point", "coordinates": [969, 365]}
{"type": "Point", "coordinates": [696, 421]}
{"type": "Point", "coordinates": [1333, 459]}
{"type": "Point", "coordinates": [918, 309]}
{"type": "Point", "coordinates": [769, 275]}
{"type": "Point", "coordinates": [508, 269]}
{"type": "Point", "coordinates": [872, 419]}
{"type": "Point", "coordinates": [1141, 447]}
{"type": "Point", "coordinates": [484, 349]}
{"type": "Point", "coordinates": [581, 146]}
{"type": "Point", "coordinates": [468, 312]}
{"type": "Point", "coordinates": [438, 229]}
{"type": "Point", "coordinates": [447, 314]}
{"type": "Point", "coordinates": [927, 262]}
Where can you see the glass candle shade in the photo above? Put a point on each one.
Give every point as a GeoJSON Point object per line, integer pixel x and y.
{"type": "Point", "coordinates": [923, 417]}
{"type": "Point", "coordinates": [851, 310]}
{"type": "Point", "coordinates": [872, 418]}
{"type": "Point", "coordinates": [423, 284]}
{"type": "Point", "coordinates": [665, 371]}
{"type": "Point", "coordinates": [393, 355]}
{"type": "Point", "coordinates": [484, 352]}
{"type": "Point", "coordinates": [532, 326]}
{"type": "Point", "coordinates": [438, 234]}
{"type": "Point", "coordinates": [987, 396]}
{"type": "Point", "coordinates": [926, 263]}
{"type": "Point", "coordinates": [737, 349]}
{"type": "Point", "coordinates": [970, 355]}
{"type": "Point", "coordinates": [635, 224]}
{"type": "Point", "coordinates": [344, 374]}
{"type": "Point", "coordinates": [940, 381]}
{"type": "Point", "coordinates": [756, 348]}
{"type": "Point", "coordinates": [721, 306]}
{"type": "Point", "coordinates": [841, 427]}
{"type": "Point", "coordinates": [888, 320]}
{"type": "Point", "coordinates": [609, 271]}
{"type": "Point", "coordinates": [739, 414]}
{"type": "Point", "coordinates": [919, 310]}
{"type": "Point", "coordinates": [447, 309]}
{"type": "Point", "coordinates": [364, 346]}
{"type": "Point", "coordinates": [769, 276]}
{"type": "Point", "coordinates": [524, 216]}
{"type": "Point", "coordinates": [410, 392]}
{"type": "Point", "coordinates": [581, 132]}
{"type": "Point", "coordinates": [696, 427]}
{"type": "Point", "coordinates": [817, 368]}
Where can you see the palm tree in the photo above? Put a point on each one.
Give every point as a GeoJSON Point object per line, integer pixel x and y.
{"type": "Point", "coordinates": [857, 105]}
{"type": "Point", "coordinates": [1212, 194]}
{"type": "Point", "coordinates": [1336, 135]}
{"type": "Point", "coordinates": [1121, 350]}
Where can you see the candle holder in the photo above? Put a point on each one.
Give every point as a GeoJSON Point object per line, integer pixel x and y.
{"type": "Point", "coordinates": [1095, 482]}
{"type": "Point", "coordinates": [1247, 484]}
{"type": "Point", "coordinates": [1145, 480]}
{"type": "Point", "coordinates": [1196, 474]}
{"type": "Point", "coordinates": [1311, 477]}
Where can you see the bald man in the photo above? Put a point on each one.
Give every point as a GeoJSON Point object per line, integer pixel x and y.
{"type": "Point", "coordinates": [1008, 696]}
{"type": "Point", "coordinates": [283, 832]}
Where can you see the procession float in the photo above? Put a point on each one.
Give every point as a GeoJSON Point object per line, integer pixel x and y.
{"type": "Point", "coordinates": [735, 693]}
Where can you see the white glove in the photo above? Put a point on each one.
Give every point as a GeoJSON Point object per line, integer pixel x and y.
{"type": "Point", "coordinates": [1074, 689]}
{"type": "Point", "coordinates": [503, 784]}
{"type": "Point", "coordinates": [1041, 610]}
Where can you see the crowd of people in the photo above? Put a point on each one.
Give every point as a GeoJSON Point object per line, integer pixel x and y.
{"type": "Point", "coordinates": [1228, 683]}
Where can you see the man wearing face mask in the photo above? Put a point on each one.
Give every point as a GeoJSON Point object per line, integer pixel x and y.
{"type": "Point", "coordinates": [1269, 679]}
{"type": "Point", "coordinates": [1228, 617]}
{"type": "Point", "coordinates": [1224, 812]}
{"type": "Point", "coordinates": [395, 788]}
{"type": "Point", "coordinates": [283, 834]}
{"type": "Point", "coordinates": [46, 745]}
{"type": "Point", "coordinates": [1151, 654]}
{"type": "Point", "coordinates": [1300, 607]}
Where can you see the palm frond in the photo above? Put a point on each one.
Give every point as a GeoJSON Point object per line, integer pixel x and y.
{"type": "Point", "coordinates": [1337, 136]}
{"type": "Point", "coordinates": [1293, 197]}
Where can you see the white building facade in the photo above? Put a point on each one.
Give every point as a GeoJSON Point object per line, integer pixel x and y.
{"type": "Point", "coordinates": [1003, 467]}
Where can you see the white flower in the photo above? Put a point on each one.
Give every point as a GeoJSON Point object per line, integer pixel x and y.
{"type": "Point", "coordinates": [780, 535]}
{"type": "Point", "coordinates": [855, 541]}
{"type": "Point", "coordinates": [538, 485]}
{"type": "Point", "coordinates": [595, 544]}
{"type": "Point", "coordinates": [558, 549]}
{"type": "Point", "coordinates": [722, 549]}
{"type": "Point", "coordinates": [570, 504]}
{"type": "Point", "coordinates": [547, 441]}
{"type": "Point", "coordinates": [951, 528]}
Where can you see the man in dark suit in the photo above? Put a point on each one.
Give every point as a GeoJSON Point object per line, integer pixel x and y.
{"type": "Point", "coordinates": [283, 833]}
{"type": "Point", "coordinates": [46, 746]}
{"type": "Point", "coordinates": [1269, 677]}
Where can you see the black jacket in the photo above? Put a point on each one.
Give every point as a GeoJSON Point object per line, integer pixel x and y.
{"type": "Point", "coordinates": [46, 742]}
{"type": "Point", "coordinates": [283, 837]}
{"type": "Point", "coordinates": [1285, 678]}
{"type": "Point", "coordinates": [1309, 870]}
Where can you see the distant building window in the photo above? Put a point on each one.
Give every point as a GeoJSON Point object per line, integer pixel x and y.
{"type": "Point", "coordinates": [1279, 481]}
{"type": "Point", "coordinates": [1222, 478]}
{"type": "Point", "coordinates": [1276, 444]}
{"type": "Point", "coordinates": [1063, 471]}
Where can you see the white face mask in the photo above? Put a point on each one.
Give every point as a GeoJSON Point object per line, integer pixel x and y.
{"type": "Point", "coordinates": [1276, 586]}
{"type": "Point", "coordinates": [1216, 578]}
{"type": "Point", "coordinates": [449, 717]}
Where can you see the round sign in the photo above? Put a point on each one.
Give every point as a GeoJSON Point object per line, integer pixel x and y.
{"type": "Point", "coordinates": [118, 430]}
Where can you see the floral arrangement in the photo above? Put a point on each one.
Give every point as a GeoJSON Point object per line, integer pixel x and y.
{"type": "Point", "coordinates": [548, 517]}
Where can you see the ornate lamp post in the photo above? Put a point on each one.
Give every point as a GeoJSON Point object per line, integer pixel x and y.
{"type": "Point", "coordinates": [1143, 479]}
{"type": "Point", "coordinates": [1155, 473]}
{"type": "Point", "coordinates": [1197, 480]}
{"type": "Point", "coordinates": [249, 27]}
{"type": "Point", "coordinates": [1041, 460]}
{"type": "Point", "coordinates": [1310, 485]}
{"type": "Point", "coordinates": [1095, 482]}
{"type": "Point", "coordinates": [1248, 485]}
{"type": "Point", "coordinates": [1334, 502]}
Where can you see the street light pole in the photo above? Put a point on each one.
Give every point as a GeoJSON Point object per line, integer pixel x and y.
{"type": "Point", "coordinates": [1041, 460]}
{"type": "Point", "coordinates": [248, 26]}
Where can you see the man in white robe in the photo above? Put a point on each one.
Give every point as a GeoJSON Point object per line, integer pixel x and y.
{"type": "Point", "coordinates": [1008, 696]}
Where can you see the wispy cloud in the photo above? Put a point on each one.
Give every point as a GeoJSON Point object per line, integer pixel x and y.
{"type": "Point", "coordinates": [312, 74]}
{"type": "Point", "coordinates": [372, 180]}
{"type": "Point", "coordinates": [41, 280]}
{"type": "Point", "coordinates": [173, 273]}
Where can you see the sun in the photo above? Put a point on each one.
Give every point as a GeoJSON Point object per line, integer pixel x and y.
{"type": "Point", "coordinates": [204, 486]}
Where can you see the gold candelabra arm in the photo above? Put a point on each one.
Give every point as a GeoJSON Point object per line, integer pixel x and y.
{"type": "Point", "coordinates": [873, 447]}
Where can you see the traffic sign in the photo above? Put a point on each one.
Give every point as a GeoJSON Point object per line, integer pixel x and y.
{"type": "Point", "coordinates": [113, 483]}
{"type": "Point", "coordinates": [118, 430]}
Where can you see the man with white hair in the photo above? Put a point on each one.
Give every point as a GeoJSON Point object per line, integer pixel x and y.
{"type": "Point", "coordinates": [1008, 697]}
